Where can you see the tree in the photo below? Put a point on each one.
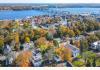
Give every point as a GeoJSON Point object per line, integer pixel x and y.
{"type": "Point", "coordinates": [63, 31]}
{"type": "Point", "coordinates": [98, 34]}
{"type": "Point", "coordinates": [16, 46]}
{"type": "Point", "coordinates": [82, 27]}
{"type": "Point", "coordinates": [92, 38]}
{"type": "Point", "coordinates": [97, 62]}
{"type": "Point", "coordinates": [88, 64]}
{"type": "Point", "coordinates": [77, 43]}
{"type": "Point", "coordinates": [77, 32]}
{"type": "Point", "coordinates": [56, 44]}
{"type": "Point", "coordinates": [78, 63]}
{"type": "Point", "coordinates": [1, 44]}
{"type": "Point", "coordinates": [16, 37]}
{"type": "Point", "coordinates": [90, 27]}
{"type": "Point", "coordinates": [39, 33]}
{"type": "Point", "coordinates": [23, 59]}
{"type": "Point", "coordinates": [27, 39]}
{"type": "Point", "coordinates": [43, 44]}
{"type": "Point", "coordinates": [68, 54]}
{"type": "Point", "coordinates": [22, 37]}
{"type": "Point", "coordinates": [94, 62]}
{"type": "Point", "coordinates": [64, 53]}
{"type": "Point", "coordinates": [26, 25]}
{"type": "Point", "coordinates": [96, 26]}
{"type": "Point", "coordinates": [89, 56]}
{"type": "Point", "coordinates": [31, 34]}
{"type": "Point", "coordinates": [71, 33]}
{"type": "Point", "coordinates": [17, 24]}
{"type": "Point", "coordinates": [83, 46]}
{"type": "Point", "coordinates": [49, 36]}
{"type": "Point", "coordinates": [42, 32]}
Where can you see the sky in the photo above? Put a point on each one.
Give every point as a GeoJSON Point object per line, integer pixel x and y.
{"type": "Point", "coordinates": [49, 1]}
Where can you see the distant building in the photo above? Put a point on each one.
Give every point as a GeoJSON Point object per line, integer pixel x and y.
{"type": "Point", "coordinates": [63, 22]}
{"type": "Point", "coordinates": [85, 14]}
{"type": "Point", "coordinates": [98, 19]}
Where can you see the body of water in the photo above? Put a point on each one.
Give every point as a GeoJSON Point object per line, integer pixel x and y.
{"type": "Point", "coordinates": [11, 15]}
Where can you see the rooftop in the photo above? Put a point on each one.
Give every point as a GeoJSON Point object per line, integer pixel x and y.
{"type": "Point", "coordinates": [96, 43]}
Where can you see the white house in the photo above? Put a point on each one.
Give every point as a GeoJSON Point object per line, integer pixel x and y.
{"type": "Point", "coordinates": [7, 49]}
{"type": "Point", "coordinates": [75, 51]}
{"type": "Point", "coordinates": [57, 58]}
{"type": "Point", "coordinates": [95, 45]}
{"type": "Point", "coordinates": [28, 46]}
{"type": "Point", "coordinates": [36, 58]}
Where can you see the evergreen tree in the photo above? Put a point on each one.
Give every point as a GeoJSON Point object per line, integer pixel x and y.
{"type": "Point", "coordinates": [94, 63]}
{"type": "Point", "coordinates": [88, 64]}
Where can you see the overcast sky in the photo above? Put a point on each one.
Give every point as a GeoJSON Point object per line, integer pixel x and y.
{"type": "Point", "coordinates": [49, 1]}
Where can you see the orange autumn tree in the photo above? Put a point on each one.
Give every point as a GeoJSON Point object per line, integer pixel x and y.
{"type": "Point", "coordinates": [77, 43]}
{"type": "Point", "coordinates": [42, 32]}
{"type": "Point", "coordinates": [43, 44]}
{"type": "Point", "coordinates": [64, 53]}
{"type": "Point", "coordinates": [23, 59]}
{"type": "Point", "coordinates": [68, 54]}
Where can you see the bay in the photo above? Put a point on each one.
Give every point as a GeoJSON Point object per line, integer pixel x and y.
{"type": "Point", "coordinates": [11, 15]}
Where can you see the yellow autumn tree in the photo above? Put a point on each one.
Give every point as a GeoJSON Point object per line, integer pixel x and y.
{"type": "Point", "coordinates": [43, 44]}
{"type": "Point", "coordinates": [71, 33]}
{"type": "Point", "coordinates": [77, 32]}
{"type": "Point", "coordinates": [16, 37]}
{"type": "Point", "coordinates": [1, 43]}
{"type": "Point", "coordinates": [63, 30]}
{"type": "Point", "coordinates": [64, 53]}
{"type": "Point", "coordinates": [27, 39]}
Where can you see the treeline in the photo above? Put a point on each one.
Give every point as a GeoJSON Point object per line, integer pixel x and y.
{"type": "Point", "coordinates": [22, 7]}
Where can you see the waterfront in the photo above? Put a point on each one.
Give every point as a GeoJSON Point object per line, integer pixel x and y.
{"type": "Point", "coordinates": [11, 15]}
{"type": "Point", "coordinates": [53, 37]}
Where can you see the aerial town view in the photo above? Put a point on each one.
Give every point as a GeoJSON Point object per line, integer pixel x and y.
{"type": "Point", "coordinates": [49, 35]}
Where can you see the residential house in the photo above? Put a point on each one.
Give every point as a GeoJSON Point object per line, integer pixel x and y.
{"type": "Point", "coordinates": [36, 58]}
{"type": "Point", "coordinates": [74, 49]}
{"type": "Point", "coordinates": [28, 46]}
{"type": "Point", "coordinates": [61, 64]}
{"type": "Point", "coordinates": [7, 49]}
{"type": "Point", "coordinates": [57, 59]}
{"type": "Point", "coordinates": [95, 45]}
{"type": "Point", "coordinates": [10, 58]}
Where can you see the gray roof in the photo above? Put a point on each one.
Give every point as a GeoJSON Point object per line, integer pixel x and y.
{"type": "Point", "coordinates": [72, 47]}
